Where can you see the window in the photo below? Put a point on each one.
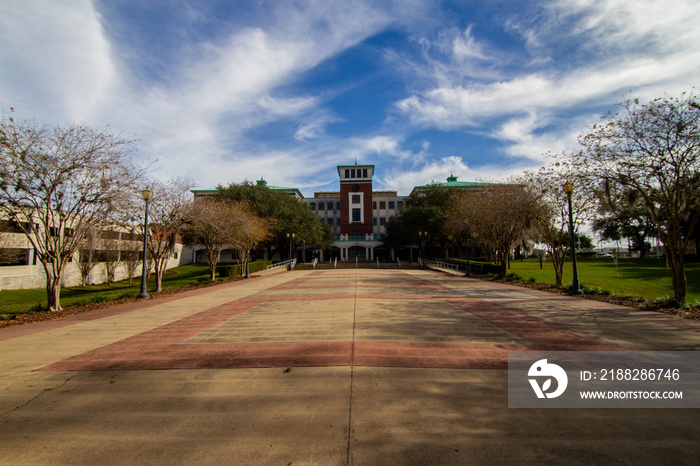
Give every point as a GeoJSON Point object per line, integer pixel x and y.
{"type": "Point", "coordinates": [391, 204]}
{"type": "Point", "coordinates": [14, 256]}
{"type": "Point", "coordinates": [330, 206]}
{"type": "Point", "coordinates": [355, 198]}
{"type": "Point", "coordinates": [399, 204]}
{"type": "Point", "coordinates": [321, 205]}
{"type": "Point", "coordinates": [109, 234]}
{"type": "Point", "coordinates": [337, 206]}
{"type": "Point", "coordinates": [337, 221]}
{"type": "Point", "coordinates": [382, 221]}
{"type": "Point", "coordinates": [382, 204]}
{"type": "Point", "coordinates": [374, 205]}
{"type": "Point", "coordinates": [356, 215]}
{"type": "Point", "coordinates": [352, 173]}
{"type": "Point", "coordinates": [347, 173]}
{"type": "Point", "coordinates": [364, 173]}
{"type": "Point", "coordinates": [312, 205]}
{"type": "Point", "coordinates": [374, 221]}
{"type": "Point", "coordinates": [330, 221]}
{"type": "Point", "coordinates": [13, 227]}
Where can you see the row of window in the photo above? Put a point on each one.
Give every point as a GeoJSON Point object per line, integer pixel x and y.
{"type": "Point", "coordinates": [23, 256]}
{"type": "Point", "coordinates": [9, 226]}
{"type": "Point", "coordinates": [355, 173]}
{"type": "Point", "coordinates": [324, 205]}
{"type": "Point", "coordinates": [355, 200]}
{"type": "Point", "coordinates": [382, 204]}
{"type": "Point", "coordinates": [356, 218]}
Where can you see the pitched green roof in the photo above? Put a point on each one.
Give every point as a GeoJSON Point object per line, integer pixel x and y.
{"type": "Point", "coordinates": [453, 183]}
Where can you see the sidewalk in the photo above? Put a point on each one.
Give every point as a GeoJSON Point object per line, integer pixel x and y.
{"type": "Point", "coordinates": [326, 367]}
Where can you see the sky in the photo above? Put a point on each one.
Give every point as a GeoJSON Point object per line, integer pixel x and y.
{"type": "Point", "coordinates": [286, 90]}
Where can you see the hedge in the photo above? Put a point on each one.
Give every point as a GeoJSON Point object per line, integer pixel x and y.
{"type": "Point", "coordinates": [233, 270]}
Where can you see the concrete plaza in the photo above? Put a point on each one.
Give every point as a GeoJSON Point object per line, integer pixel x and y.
{"type": "Point", "coordinates": [353, 366]}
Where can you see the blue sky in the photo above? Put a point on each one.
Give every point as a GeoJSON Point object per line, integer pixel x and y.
{"type": "Point", "coordinates": [223, 91]}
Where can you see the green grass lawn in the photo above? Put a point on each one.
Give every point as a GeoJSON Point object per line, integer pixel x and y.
{"type": "Point", "coordinates": [646, 278]}
{"type": "Point", "coordinates": [15, 301]}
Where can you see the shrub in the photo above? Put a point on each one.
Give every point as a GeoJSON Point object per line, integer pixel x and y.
{"type": "Point", "coordinates": [669, 301]}
{"type": "Point", "coordinates": [595, 291]}
{"type": "Point", "coordinates": [228, 270]}
{"type": "Point", "coordinates": [233, 270]}
{"type": "Point", "coordinates": [513, 277]}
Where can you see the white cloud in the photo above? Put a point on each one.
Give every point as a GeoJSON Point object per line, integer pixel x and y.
{"type": "Point", "coordinates": [215, 91]}
{"type": "Point", "coordinates": [313, 127]}
{"type": "Point", "coordinates": [58, 50]}
{"type": "Point", "coordinates": [524, 136]}
{"type": "Point", "coordinates": [437, 170]}
{"type": "Point", "coordinates": [642, 49]}
{"type": "Point", "coordinates": [465, 46]}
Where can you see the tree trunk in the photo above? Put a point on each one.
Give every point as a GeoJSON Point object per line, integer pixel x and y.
{"type": "Point", "coordinates": [678, 278]}
{"type": "Point", "coordinates": [212, 270]}
{"type": "Point", "coordinates": [503, 260]}
{"type": "Point", "coordinates": [558, 270]}
{"type": "Point", "coordinates": [159, 270]}
{"type": "Point", "coordinates": [53, 289]}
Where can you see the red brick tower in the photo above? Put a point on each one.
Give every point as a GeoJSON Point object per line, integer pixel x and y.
{"type": "Point", "coordinates": [356, 199]}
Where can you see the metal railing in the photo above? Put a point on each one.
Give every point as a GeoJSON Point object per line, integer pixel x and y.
{"type": "Point", "coordinates": [289, 264]}
{"type": "Point", "coordinates": [448, 264]}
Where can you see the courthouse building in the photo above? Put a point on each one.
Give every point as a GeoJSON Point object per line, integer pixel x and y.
{"type": "Point", "coordinates": [357, 214]}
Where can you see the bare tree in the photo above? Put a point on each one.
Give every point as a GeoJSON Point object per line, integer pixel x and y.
{"type": "Point", "coordinates": [58, 183]}
{"type": "Point", "coordinates": [550, 213]}
{"type": "Point", "coordinates": [87, 255]}
{"type": "Point", "coordinates": [654, 150]}
{"type": "Point", "coordinates": [498, 215]}
{"type": "Point", "coordinates": [131, 254]}
{"type": "Point", "coordinates": [111, 254]}
{"type": "Point", "coordinates": [168, 210]}
{"type": "Point", "coordinates": [212, 225]}
{"type": "Point", "coordinates": [250, 231]}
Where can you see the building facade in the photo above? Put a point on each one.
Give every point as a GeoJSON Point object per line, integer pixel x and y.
{"type": "Point", "coordinates": [357, 214]}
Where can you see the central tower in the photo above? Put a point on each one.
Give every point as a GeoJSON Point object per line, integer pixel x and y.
{"type": "Point", "coordinates": [356, 199]}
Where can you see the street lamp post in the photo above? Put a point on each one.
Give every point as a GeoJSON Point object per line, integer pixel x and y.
{"type": "Point", "coordinates": [467, 274]}
{"type": "Point", "coordinates": [291, 238]}
{"type": "Point", "coordinates": [422, 237]}
{"type": "Point", "coordinates": [146, 194]}
{"type": "Point", "coordinates": [575, 286]}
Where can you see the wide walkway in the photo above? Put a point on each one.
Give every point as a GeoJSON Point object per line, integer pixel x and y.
{"type": "Point", "coordinates": [330, 367]}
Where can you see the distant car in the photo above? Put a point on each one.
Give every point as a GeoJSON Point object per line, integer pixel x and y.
{"type": "Point", "coordinates": [603, 254]}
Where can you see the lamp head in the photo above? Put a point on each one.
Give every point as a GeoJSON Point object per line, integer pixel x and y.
{"type": "Point", "coordinates": [146, 194]}
{"type": "Point", "coordinates": [568, 188]}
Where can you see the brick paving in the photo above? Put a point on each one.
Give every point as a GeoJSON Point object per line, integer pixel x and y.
{"type": "Point", "coordinates": [326, 367]}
